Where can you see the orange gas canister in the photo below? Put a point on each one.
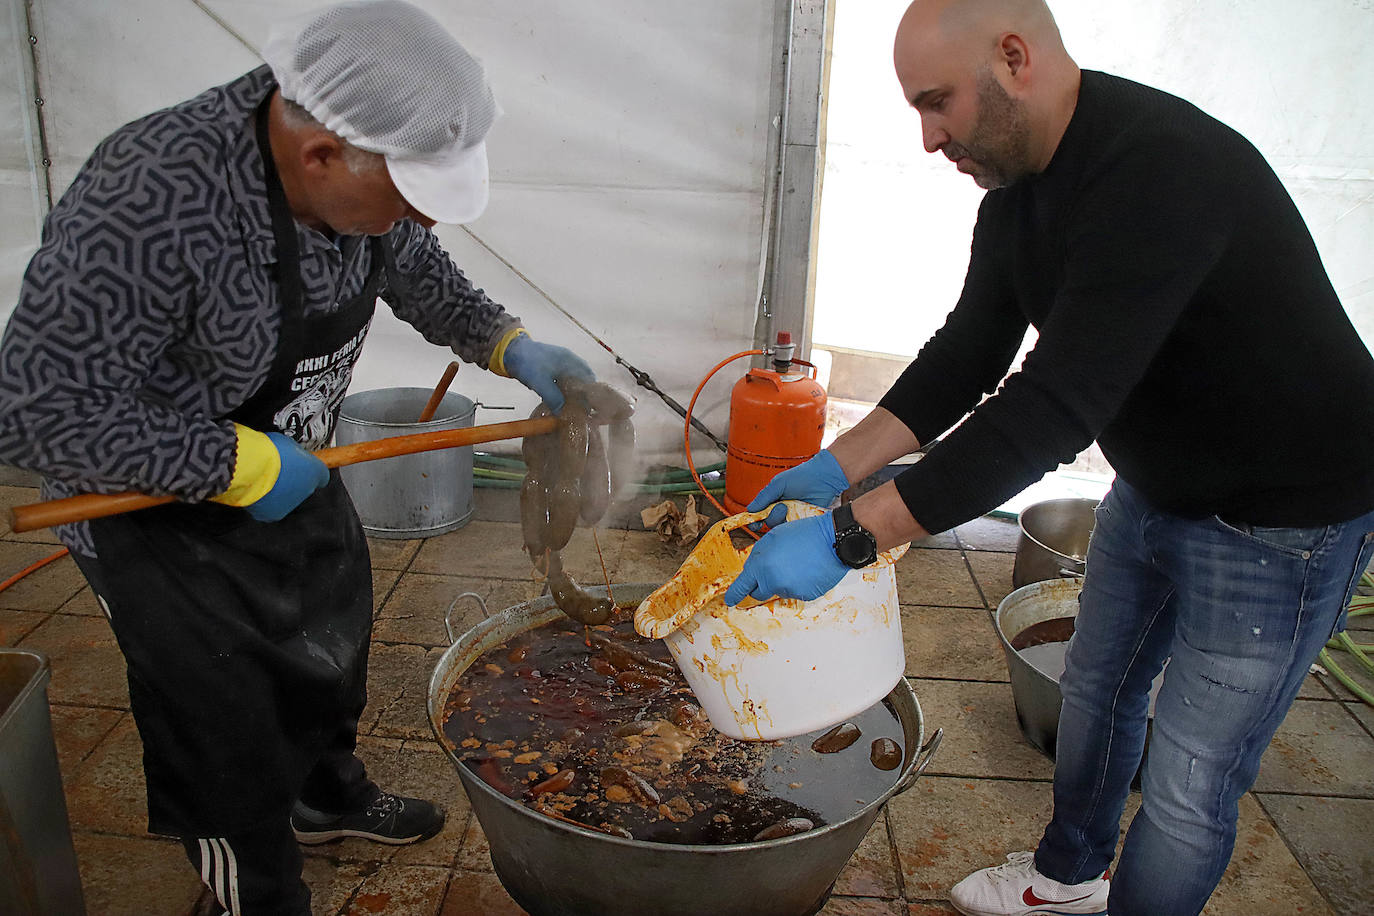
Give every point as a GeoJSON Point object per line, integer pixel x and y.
{"type": "Point", "coordinates": [777, 419]}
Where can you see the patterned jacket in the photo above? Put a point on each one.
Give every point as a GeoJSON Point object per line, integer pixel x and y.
{"type": "Point", "coordinates": [150, 310]}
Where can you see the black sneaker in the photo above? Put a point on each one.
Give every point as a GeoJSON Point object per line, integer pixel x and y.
{"type": "Point", "coordinates": [390, 819]}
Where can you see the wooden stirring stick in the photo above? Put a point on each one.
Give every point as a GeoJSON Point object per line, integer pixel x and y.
{"type": "Point", "coordinates": [440, 390]}
{"type": "Point", "coordinates": [97, 505]}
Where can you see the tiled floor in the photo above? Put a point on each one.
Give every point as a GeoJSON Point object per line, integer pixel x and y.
{"type": "Point", "coordinates": [1304, 844]}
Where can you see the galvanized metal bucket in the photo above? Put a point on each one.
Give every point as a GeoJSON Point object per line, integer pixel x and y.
{"type": "Point", "coordinates": [555, 869]}
{"type": "Point", "coordinates": [38, 872]}
{"type": "Point", "coordinates": [1035, 693]}
{"type": "Point", "coordinates": [407, 496]}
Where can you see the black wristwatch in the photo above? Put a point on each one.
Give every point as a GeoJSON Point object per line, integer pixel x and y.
{"type": "Point", "coordinates": [854, 545]}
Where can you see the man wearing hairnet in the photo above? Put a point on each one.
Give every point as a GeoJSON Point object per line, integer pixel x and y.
{"type": "Point", "coordinates": [188, 327]}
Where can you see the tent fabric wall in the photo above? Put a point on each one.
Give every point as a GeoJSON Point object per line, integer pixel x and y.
{"type": "Point", "coordinates": [23, 191]}
{"type": "Point", "coordinates": [628, 169]}
{"type": "Point", "coordinates": [896, 222]}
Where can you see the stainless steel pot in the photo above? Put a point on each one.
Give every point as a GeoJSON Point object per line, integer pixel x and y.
{"type": "Point", "coordinates": [555, 869]}
{"type": "Point", "coordinates": [1054, 540]}
{"type": "Point", "coordinates": [1035, 693]}
{"type": "Point", "coordinates": [407, 496]}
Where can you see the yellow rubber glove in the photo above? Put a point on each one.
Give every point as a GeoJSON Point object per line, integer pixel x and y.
{"type": "Point", "coordinates": [272, 474]}
{"type": "Point", "coordinates": [538, 366]}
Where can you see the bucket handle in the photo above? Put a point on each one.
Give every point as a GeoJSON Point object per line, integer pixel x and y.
{"type": "Point", "coordinates": [741, 519]}
{"type": "Point", "coordinates": [796, 509]}
{"type": "Point", "coordinates": [448, 624]}
{"type": "Point", "coordinates": [923, 758]}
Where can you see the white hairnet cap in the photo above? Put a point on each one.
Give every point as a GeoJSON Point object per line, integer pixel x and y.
{"type": "Point", "coordinates": [390, 79]}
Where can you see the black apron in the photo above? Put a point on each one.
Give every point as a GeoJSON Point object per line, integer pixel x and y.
{"type": "Point", "coordinates": [247, 641]}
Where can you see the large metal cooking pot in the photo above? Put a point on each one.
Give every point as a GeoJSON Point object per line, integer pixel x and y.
{"type": "Point", "coordinates": [407, 496]}
{"type": "Point", "coordinates": [556, 869]}
{"type": "Point", "coordinates": [1034, 692]}
{"type": "Point", "coordinates": [1054, 540]}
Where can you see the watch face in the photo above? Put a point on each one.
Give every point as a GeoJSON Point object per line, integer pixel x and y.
{"type": "Point", "coordinates": [856, 548]}
{"type": "Point", "coordinates": [854, 545]}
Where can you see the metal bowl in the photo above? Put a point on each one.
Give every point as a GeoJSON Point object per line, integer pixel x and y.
{"type": "Point", "coordinates": [555, 869]}
{"type": "Point", "coordinates": [1054, 540]}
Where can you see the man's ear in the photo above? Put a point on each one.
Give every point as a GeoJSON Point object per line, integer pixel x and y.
{"type": "Point", "coordinates": [1014, 54]}
{"type": "Point", "coordinates": [320, 153]}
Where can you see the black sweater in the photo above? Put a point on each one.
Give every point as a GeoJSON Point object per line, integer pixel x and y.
{"type": "Point", "coordinates": [1185, 322]}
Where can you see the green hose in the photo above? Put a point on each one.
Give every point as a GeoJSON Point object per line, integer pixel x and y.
{"type": "Point", "coordinates": [493, 474]}
{"type": "Point", "coordinates": [670, 475]}
{"type": "Point", "coordinates": [489, 477]}
{"type": "Point", "coordinates": [642, 489]}
{"type": "Point", "coordinates": [497, 461]}
{"type": "Point", "coordinates": [1339, 674]}
{"type": "Point", "coordinates": [1360, 606]}
{"type": "Point", "coordinates": [1350, 646]}
{"type": "Point", "coordinates": [500, 473]}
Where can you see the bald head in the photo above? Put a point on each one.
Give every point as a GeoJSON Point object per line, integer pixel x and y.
{"type": "Point", "coordinates": [980, 21]}
{"type": "Point", "coordinates": [989, 77]}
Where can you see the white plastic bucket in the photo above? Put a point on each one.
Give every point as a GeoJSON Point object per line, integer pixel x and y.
{"type": "Point", "coordinates": [781, 667]}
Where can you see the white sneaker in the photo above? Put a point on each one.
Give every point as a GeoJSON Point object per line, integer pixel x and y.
{"type": "Point", "coordinates": [1017, 889]}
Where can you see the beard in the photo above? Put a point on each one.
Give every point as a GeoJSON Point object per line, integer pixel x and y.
{"type": "Point", "coordinates": [998, 148]}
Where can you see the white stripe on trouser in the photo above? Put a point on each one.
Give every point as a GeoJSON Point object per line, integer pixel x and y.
{"type": "Point", "coordinates": [223, 878]}
{"type": "Point", "coordinates": [205, 863]}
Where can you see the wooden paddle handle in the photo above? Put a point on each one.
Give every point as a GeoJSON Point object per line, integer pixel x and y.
{"type": "Point", "coordinates": [98, 505]}
{"type": "Point", "coordinates": [440, 390]}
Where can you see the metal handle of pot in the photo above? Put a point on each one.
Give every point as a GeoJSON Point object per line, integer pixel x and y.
{"type": "Point", "coordinates": [1066, 573]}
{"type": "Point", "coordinates": [923, 758]}
{"type": "Point", "coordinates": [448, 623]}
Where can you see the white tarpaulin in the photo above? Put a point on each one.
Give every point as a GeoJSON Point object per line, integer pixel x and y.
{"type": "Point", "coordinates": [895, 221]}
{"type": "Point", "coordinates": [628, 170]}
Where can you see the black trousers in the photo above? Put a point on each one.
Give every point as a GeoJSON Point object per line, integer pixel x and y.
{"type": "Point", "coordinates": [258, 872]}
{"type": "Point", "coordinates": [253, 873]}
{"type": "Point", "coordinates": [246, 645]}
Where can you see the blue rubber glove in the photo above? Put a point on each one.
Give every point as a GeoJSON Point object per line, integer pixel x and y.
{"type": "Point", "coordinates": [794, 560]}
{"type": "Point", "coordinates": [539, 366]}
{"type": "Point", "coordinates": [818, 480]}
{"type": "Point", "coordinates": [301, 474]}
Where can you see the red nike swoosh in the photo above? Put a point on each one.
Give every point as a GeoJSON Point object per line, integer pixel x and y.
{"type": "Point", "coordinates": [1029, 898]}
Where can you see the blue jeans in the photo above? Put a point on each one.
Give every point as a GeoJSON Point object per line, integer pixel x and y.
{"type": "Point", "coordinates": [1239, 613]}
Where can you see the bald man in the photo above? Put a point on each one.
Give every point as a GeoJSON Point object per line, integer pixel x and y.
{"type": "Point", "coordinates": [1185, 323]}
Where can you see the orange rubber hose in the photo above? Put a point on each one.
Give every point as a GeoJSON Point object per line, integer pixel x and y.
{"type": "Point", "coordinates": [32, 568]}
{"type": "Point", "coordinates": [687, 427]}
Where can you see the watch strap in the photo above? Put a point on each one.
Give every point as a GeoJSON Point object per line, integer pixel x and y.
{"type": "Point", "coordinates": [854, 545]}
{"type": "Point", "coordinates": [843, 517]}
